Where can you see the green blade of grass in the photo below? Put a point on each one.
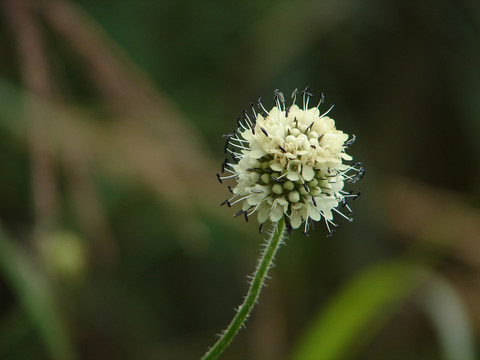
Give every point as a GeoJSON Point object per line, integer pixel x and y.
{"type": "Point", "coordinates": [356, 313]}
{"type": "Point", "coordinates": [35, 296]}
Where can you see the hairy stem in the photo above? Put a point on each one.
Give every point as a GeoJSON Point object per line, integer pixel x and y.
{"type": "Point", "coordinates": [256, 285]}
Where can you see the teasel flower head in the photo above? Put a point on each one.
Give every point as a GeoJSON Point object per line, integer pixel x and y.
{"type": "Point", "coordinates": [290, 162]}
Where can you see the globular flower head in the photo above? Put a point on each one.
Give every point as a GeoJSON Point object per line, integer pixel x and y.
{"type": "Point", "coordinates": [289, 162]}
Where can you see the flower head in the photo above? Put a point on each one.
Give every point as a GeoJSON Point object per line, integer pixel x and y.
{"type": "Point", "coordinates": [289, 162]}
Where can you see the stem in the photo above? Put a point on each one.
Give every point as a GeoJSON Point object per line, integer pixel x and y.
{"type": "Point", "coordinates": [244, 310]}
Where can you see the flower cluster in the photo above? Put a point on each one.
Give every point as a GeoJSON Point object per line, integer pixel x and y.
{"type": "Point", "coordinates": [289, 162]}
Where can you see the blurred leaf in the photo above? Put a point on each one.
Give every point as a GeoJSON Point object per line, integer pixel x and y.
{"type": "Point", "coordinates": [353, 315]}
{"type": "Point", "coordinates": [35, 296]}
{"type": "Point", "coordinates": [448, 314]}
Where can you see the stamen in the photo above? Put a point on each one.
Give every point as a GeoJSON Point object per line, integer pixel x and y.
{"type": "Point", "coordinates": [294, 96]}
{"type": "Point", "coordinates": [351, 141]}
{"type": "Point", "coordinates": [330, 109]}
{"type": "Point", "coordinates": [227, 202]}
{"type": "Point", "coordinates": [343, 215]}
{"type": "Point", "coordinates": [243, 198]}
{"type": "Point", "coordinates": [238, 213]}
{"type": "Point", "coordinates": [260, 105]}
{"type": "Point", "coordinates": [264, 131]}
{"type": "Point", "coordinates": [322, 99]}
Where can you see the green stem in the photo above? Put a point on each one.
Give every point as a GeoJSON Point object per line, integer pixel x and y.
{"type": "Point", "coordinates": [244, 310]}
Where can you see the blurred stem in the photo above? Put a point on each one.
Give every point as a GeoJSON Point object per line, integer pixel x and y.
{"type": "Point", "coordinates": [244, 310]}
{"type": "Point", "coordinates": [36, 78]}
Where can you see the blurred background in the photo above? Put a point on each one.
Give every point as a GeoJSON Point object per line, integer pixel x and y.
{"type": "Point", "coordinates": [113, 244]}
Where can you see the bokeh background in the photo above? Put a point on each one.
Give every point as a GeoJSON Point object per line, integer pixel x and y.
{"type": "Point", "coordinates": [113, 244]}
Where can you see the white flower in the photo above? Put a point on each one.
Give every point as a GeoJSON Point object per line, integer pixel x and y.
{"type": "Point", "coordinates": [289, 162]}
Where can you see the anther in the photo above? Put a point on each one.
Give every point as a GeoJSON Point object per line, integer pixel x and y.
{"type": "Point", "coordinates": [351, 141]}
{"type": "Point", "coordinates": [306, 187]}
{"type": "Point", "coordinates": [230, 189]}
{"type": "Point", "coordinates": [282, 149]}
{"type": "Point", "coordinates": [288, 226]}
{"type": "Point", "coordinates": [294, 94]}
{"type": "Point", "coordinates": [264, 131]}
{"type": "Point", "coordinates": [238, 213]}
{"type": "Point", "coordinates": [218, 177]}
{"type": "Point", "coordinates": [260, 228]}
{"type": "Point", "coordinates": [226, 202]}
{"type": "Point", "coordinates": [287, 111]}
{"type": "Point", "coordinates": [310, 223]}
{"type": "Point", "coordinates": [245, 216]}
{"type": "Point", "coordinates": [331, 233]}
{"type": "Point", "coordinates": [313, 146]}
{"type": "Point", "coordinates": [314, 201]}
{"type": "Point", "coordinates": [226, 146]}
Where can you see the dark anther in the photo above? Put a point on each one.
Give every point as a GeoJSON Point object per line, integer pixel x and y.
{"type": "Point", "coordinates": [234, 158]}
{"type": "Point", "coordinates": [313, 146]}
{"type": "Point", "coordinates": [238, 122]}
{"type": "Point", "coordinates": [245, 216]}
{"type": "Point", "coordinates": [295, 121]}
{"type": "Point", "coordinates": [278, 95]}
{"type": "Point", "coordinates": [306, 187]}
{"type": "Point", "coordinates": [351, 141]}
{"type": "Point", "coordinates": [288, 225]}
{"type": "Point", "coordinates": [282, 149]}
{"type": "Point", "coordinates": [314, 201]}
{"type": "Point", "coordinates": [245, 114]}
{"type": "Point", "coordinates": [218, 177]}
{"type": "Point", "coordinates": [305, 90]}
{"type": "Point", "coordinates": [275, 179]}
{"type": "Point", "coordinates": [310, 126]}
{"type": "Point", "coordinates": [264, 131]}
{"type": "Point", "coordinates": [322, 99]}
{"type": "Point", "coordinates": [227, 135]}
{"type": "Point", "coordinates": [230, 189]}
{"type": "Point", "coordinates": [238, 213]}
{"type": "Point", "coordinates": [225, 162]}
{"type": "Point", "coordinates": [259, 103]}
{"type": "Point", "coordinates": [294, 93]}
{"type": "Point", "coordinates": [310, 223]}
{"type": "Point", "coordinates": [357, 196]}
{"type": "Point", "coordinates": [287, 111]}
{"type": "Point", "coordinates": [260, 228]}
{"type": "Point", "coordinates": [331, 233]}
{"type": "Point", "coordinates": [253, 111]}
{"type": "Point", "coordinates": [226, 202]}
{"type": "Point", "coordinates": [305, 233]}
{"type": "Point", "coordinates": [226, 146]}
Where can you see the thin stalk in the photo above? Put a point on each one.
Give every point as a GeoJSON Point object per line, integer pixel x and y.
{"type": "Point", "coordinates": [256, 285]}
